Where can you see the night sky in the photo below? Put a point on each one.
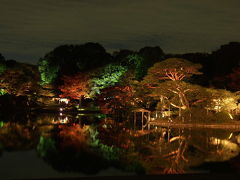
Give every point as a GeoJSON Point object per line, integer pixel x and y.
{"type": "Point", "coordinates": [31, 28]}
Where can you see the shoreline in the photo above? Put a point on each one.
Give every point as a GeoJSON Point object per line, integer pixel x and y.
{"type": "Point", "coordinates": [192, 125]}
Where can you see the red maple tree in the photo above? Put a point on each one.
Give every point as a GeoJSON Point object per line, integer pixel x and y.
{"type": "Point", "coordinates": [115, 97]}
{"type": "Point", "coordinates": [75, 86]}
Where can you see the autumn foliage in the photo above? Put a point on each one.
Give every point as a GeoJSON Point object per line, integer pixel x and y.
{"type": "Point", "coordinates": [75, 86]}
{"type": "Point", "coordinates": [116, 97]}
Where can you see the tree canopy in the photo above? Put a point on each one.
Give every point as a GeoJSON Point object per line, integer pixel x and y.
{"type": "Point", "coordinates": [109, 76]}
{"type": "Point", "coordinates": [71, 59]}
{"type": "Point", "coordinates": [75, 86]}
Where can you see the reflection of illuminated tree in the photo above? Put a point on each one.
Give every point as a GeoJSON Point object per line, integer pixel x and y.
{"type": "Point", "coordinates": [114, 134]}
{"type": "Point", "coordinates": [75, 155]}
{"type": "Point", "coordinates": [224, 149]}
{"type": "Point", "coordinates": [14, 136]}
{"type": "Point", "coordinates": [176, 158]}
{"type": "Point", "coordinates": [46, 146]}
{"type": "Point", "coordinates": [77, 148]}
{"type": "Point", "coordinates": [74, 136]}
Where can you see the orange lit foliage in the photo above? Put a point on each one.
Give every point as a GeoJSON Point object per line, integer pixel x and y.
{"type": "Point", "coordinates": [74, 136]}
{"type": "Point", "coordinates": [234, 79]}
{"type": "Point", "coordinates": [20, 81]}
{"type": "Point", "coordinates": [116, 97]}
{"type": "Point", "coordinates": [174, 69]}
{"type": "Point", "coordinates": [75, 86]}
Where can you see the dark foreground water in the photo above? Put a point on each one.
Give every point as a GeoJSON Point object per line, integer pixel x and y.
{"type": "Point", "coordinates": [57, 146]}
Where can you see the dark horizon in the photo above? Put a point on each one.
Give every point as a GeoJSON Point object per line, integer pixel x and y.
{"type": "Point", "coordinates": [34, 59]}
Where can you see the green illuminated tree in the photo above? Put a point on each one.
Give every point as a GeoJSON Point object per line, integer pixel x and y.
{"type": "Point", "coordinates": [136, 61]}
{"type": "Point", "coordinates": [2, 92]}
{"type": "Point", "coordinates": [2, 67]}
{"type": "Point", "coordinates": [45, 146]}
{"type": "Point", "coordinates": [109, 76]}
{"type": "Point", "coordinates": [48, 71]}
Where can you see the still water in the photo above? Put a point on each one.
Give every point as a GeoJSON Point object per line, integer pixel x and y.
{"type": "Point", "coordinates": [53, 146]}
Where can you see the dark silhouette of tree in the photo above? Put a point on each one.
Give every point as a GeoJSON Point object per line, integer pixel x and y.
{"type": "Point", "coordinates": [234, 79]}
{"type": "Point", "coordinates": [121, 56]}
{"type": "Point", "coordinates": [225, 59]}
{"type": "Point", "coordinates": [199, 58]}
{"type": "Point", "coordinates": [150, 56]}
{"type": "Point", "coordinates": [11, 63]}
{"type": "Point", "coordinates": [2, 64]}
{"type": "Point", "coordinates": [2, 58]}
{"type": "Point", "coordinates": [70, 59]}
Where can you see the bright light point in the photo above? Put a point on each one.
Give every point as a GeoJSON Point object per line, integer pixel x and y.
{"type": "Point", "coordinates": [65, 100]}
{"type": "Point", "coordinates": [61, 109]}
{"type": "Point", "coordinates": [61, 114]}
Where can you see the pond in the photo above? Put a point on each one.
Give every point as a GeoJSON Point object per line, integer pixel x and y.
{"type": "Point", "coordinates": [49, 145]}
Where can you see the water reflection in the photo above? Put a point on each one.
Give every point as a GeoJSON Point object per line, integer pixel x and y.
{"type": "Point", "coordinates": [88, 144]}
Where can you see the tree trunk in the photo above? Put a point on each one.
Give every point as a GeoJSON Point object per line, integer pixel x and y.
{"type": "Point", "coordinates": [80, 101]}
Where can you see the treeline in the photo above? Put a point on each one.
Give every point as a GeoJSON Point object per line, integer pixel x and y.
{"type": "Point", "coordinates": [126, 78]}
{"type": "Point", "coordinates": [218, 67]}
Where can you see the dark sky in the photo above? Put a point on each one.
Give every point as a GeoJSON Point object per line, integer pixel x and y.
{"type": "Point", "coordinates": [31, 28]}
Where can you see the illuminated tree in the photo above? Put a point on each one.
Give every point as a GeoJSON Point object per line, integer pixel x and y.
{"type": "Point", "coordinates": [2, 92]}
{"type": "Point", "coordinates": [2, 67]}
{"type": "Point", "coordinates": [136, 61]}
{"type": "Point", "coordinates": [109, 76]}
{"type": "Point", "coordinates": [166, 81]}
{"type": "Point", "coordinates": [48, 71]}
{"type": "Point", "coordinates": [174, 69]}
{"type": "Point", "coordinates": [222, 100]}
{"type": "Point", "coordinates": [76, 86]}
{"type": "Point", "coordinates": [115, 97]}
{"type": "Point", "coordinates": [22, 80]}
